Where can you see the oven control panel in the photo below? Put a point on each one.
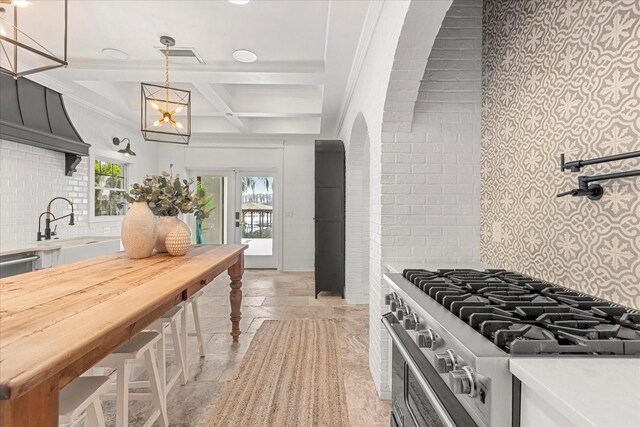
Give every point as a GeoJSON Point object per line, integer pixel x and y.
{"type": "Point", "coordinates": [460, 377]}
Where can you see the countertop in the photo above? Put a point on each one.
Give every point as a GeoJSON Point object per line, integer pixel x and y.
{"type": "Point", "coordinates": [54, 245]}
{"type": "Point", "coordinates": [397, 267]}
{"type": "Point", "coordinates": [589, 391]}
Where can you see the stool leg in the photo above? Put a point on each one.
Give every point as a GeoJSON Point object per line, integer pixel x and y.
{"type": "Point", "coordinates": [95, 415]}
{"type": "Point", "coordinates": [157, 392]}
{"type": "Point", "coordinates": [162, 359]}
{"type": "Point", "coordinates": [122, 394]}
{"type": "Point", "coordinates": [180, 354]}
{"type": "Point", "coordinates": [183, 336]}
{"type": "Point", "coordinates": [196, 319]}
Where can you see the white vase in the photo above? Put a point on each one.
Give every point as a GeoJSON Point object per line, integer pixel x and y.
{"type": "Point", "coordinates": [139, 231]}
{"type": "Point", "coordinates": [165, 225]}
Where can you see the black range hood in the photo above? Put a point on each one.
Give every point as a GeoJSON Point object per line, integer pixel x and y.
{"type": "Point", "coordinates": [35, 115]}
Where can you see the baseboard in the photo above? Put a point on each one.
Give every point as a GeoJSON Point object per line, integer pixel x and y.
{"type": "Point", "coordinates": [362, 299]}
{"type": "Point", "coordinates": [384, 395]}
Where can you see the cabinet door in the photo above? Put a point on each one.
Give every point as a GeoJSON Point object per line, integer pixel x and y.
{"type": "Point", "coordinates": [329, 216]}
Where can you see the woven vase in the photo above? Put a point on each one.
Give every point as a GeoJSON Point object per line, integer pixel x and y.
{"type": "Point", "coordinates": [178, 241]}
{"type": "Point", "coordinates": [165, 225]}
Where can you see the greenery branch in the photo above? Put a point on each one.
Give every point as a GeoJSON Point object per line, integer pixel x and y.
{"type": "Point", "coordinates": [167, 195]}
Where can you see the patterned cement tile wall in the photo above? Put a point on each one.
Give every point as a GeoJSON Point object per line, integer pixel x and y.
{"type": "Point", "coordinates": [561, 76]}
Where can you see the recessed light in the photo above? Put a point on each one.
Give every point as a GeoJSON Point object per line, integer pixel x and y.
{"type": "Point", "coordinates": [243, 55]}
{"type": "Point", "coordinates": [115, 53]}
{"type": "Point", "coordinates": [239, 2]}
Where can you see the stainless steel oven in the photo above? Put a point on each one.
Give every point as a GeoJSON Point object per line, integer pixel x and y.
{"type": "Point", "coordinates": [420, 398]}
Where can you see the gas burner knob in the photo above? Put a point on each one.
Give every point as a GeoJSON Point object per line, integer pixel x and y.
{"type": "Point", "coordinates": [463, 381]}
{"type": "Point", "coordinates": [411, 321]}
{"type": "Point", "coordinates": [389, 298]}
{"type": "Point", "coordinates": [428, 339]}
{"type": "Point", "coordinates": [401, 312]}
{"type": "Point", "coordinates": [446, 362]}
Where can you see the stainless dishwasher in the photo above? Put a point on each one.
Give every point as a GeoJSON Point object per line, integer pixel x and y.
{"type": "Point", "coordinates": [13, 264]}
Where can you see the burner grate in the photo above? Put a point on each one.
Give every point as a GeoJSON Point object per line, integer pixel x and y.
{"type": "Point", "coordinates": [523, 315]}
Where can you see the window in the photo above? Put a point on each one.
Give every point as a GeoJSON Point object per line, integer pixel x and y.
{"type": "Point", "coordinates": [110, 188]}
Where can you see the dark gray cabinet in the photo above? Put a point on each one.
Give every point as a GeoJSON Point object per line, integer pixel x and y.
{"type": "Point", "coordinates": [329, 216]}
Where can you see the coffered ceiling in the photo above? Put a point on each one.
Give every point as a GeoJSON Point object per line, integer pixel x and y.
{"type": "Point", "coordinates": [305, 50]}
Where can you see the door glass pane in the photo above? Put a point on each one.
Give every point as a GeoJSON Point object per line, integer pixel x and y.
{"type": "Point", "coordinates": [213, 229]}
{"type": "Point", "coordinates": [257, 214]}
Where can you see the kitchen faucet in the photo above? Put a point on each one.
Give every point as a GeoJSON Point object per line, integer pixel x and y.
{"type": "Point", "coordinates": [48, 220]}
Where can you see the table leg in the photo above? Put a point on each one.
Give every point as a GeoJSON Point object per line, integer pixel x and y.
{"type": "Point", "coordinates": [235, 296]}
{"type": "Point", "coordinates": [37, 408]}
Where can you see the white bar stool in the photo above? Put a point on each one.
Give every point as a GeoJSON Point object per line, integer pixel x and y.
{"type": "Point", "coordinates": [195, 311]}
{"type": "Point", "coordinates": [80, 401]}
{"type": "Point", "coordinates": [140, 347]}
{"type": "Point", "coordinates": [170, 321]}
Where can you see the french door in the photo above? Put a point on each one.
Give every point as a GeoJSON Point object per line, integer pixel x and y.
{"type": "Point", "coordinates": [245, 207]}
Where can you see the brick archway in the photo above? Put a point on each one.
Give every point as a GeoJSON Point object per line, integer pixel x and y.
{"type": "Point", "coordinates": [357, 213]}
{"type": "Point", "coordinates": [421, 26]}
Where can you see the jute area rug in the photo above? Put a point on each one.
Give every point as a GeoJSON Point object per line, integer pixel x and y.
{"type": "Point", "coordinates": [290, 376]}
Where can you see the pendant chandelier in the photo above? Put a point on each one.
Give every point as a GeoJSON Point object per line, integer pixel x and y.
{"type": "Point", "coordinates": [166, 111]}
{"type": "Point", "coordinates": [21, 54]}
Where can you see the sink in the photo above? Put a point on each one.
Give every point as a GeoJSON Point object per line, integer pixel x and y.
{"type": "Point", "coordinates": [78, 249]}
{"type": "Point", "coordinates": [62, 251]}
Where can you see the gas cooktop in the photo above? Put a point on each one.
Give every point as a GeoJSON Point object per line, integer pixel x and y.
{"type": "Point", "coordinates": [522, 315]}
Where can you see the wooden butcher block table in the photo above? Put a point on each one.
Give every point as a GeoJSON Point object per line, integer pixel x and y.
{"type": "Point", "coordinates": [57, 323]}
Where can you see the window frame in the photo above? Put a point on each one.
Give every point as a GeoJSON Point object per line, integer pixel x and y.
{"type": "Point", "coordinates": [93, 218]}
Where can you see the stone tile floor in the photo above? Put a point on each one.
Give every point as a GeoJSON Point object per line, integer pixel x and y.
{"type": "Point", "coordinates": [268, 294]}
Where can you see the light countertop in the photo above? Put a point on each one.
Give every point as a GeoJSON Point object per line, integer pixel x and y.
{"type": "Point", "coordinates": [589, 391]}
{"type": "Point", "coordinates": [55, 244]}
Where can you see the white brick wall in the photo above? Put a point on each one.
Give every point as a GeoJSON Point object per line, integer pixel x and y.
{"type": "Point", "coordinates": [385, 94]}
{"type": "Point", "coordinates": [431, 155]}
{"type": "Point", "coordinates": [442, 150]}
{"type": "Point", "coordinates": [30, 177]}
{"type": "Point", "coordinates": [430, 158]}
{"type": "Point", "coordinates": [357, 213]}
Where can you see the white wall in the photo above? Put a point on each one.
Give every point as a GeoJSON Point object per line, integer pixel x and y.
{"type": "Point", "coordinates": [30, 177]}
{"type": "Point", "coordinates": [433, 175]}
{"type": "Point", "coordinates": [386, 93]}
{"type": "Point", "coordinates": [357, 214]}
{"type": "Point", "coordinates": [368, 98]}
{"type": "Point", "coordinates": [292, 157]}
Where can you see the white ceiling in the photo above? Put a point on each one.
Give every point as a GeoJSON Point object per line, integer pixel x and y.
{"type": "Point", "coordinates": [305, 51]}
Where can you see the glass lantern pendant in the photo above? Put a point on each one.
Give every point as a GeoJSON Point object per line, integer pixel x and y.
{"type": "Point", "coordinates": [20, 53]}
{"type": "Point", "coordinates": [166, 111]}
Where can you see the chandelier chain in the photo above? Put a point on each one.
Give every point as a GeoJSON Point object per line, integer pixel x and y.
{"type": "Point", "coordinates": [166, 66]}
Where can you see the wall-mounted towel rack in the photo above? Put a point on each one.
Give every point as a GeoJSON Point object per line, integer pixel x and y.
{"type": "Point", "coordinates": [585, 186]}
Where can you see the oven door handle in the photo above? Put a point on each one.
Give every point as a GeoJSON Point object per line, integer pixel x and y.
{"type": "Point", "coordinates": [431, 394]}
